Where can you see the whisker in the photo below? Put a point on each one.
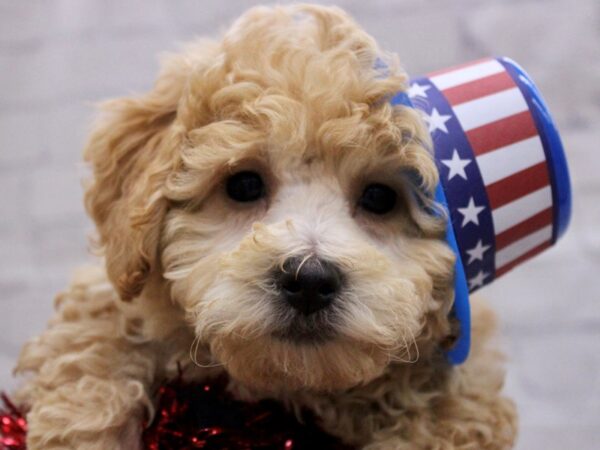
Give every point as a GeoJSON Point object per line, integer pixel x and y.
{"type": "Point", "coordinates": [194, 355]}
{"type": "Point", "coordinates": [306, 258]}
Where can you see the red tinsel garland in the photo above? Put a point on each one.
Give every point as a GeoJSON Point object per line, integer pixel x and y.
{"type": "Point", "coordinates": [205, 416]}
{"type": "Point", "coordinates": [13, 428]}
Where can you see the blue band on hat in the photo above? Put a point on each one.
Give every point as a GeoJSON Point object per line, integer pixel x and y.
{"type": "Point", "coordinates": [402, 98]}
{"type": "Point", "coordinates": [555, 154]}
{"type": "Point", "coordinates": [460, 308]}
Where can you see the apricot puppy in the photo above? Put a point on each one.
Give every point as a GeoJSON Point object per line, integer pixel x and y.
{"type": "Point", "coordinates": [266, 212]}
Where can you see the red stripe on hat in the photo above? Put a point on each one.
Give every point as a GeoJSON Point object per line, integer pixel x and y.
{"type": "Point", "coordinates": [524, 257]}
{"type": "Point", "coordinates": [458, 67]}
{"type": "Point", "coordinates": [519, 231]}
{"type": "Point", "coordinates": [517, 185]}
{"type": "Point", "coordinates": [501, 133]}
{"type": "Point", "coordinates": [479, 88]}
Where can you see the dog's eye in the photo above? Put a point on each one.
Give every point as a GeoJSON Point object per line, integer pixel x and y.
{"type": "Point", "coordinates": [245, 187]}
{"type": "Point", "coordinates": [378, 198]}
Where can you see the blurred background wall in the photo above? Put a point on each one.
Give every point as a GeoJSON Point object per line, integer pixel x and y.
{"type": "Point", "coordinates": [59, 57]}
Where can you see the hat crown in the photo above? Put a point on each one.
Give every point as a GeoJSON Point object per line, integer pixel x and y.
{"type": "Point", "coordinates": [503, 173]}
{"type": "Point", "coordinates": [501, 163]}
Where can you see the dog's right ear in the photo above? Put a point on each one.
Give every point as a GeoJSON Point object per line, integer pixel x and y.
{"type": "Point", "coordinates": [129, 153]}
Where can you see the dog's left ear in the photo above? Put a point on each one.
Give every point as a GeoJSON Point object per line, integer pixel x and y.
{"type": "Point", "coordinates": [130, 157]}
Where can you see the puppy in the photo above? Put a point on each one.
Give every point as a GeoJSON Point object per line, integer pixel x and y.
{"type": "Point", "coordinates": [266, 212]}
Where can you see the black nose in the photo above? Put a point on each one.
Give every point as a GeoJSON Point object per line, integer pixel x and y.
{"type": "Point", "coordinates": [309, 285]}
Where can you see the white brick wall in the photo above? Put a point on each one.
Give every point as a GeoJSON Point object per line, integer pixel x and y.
{"type": "Point", "coordinates": [58, 57]}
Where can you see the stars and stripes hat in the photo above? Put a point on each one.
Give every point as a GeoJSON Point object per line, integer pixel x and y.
{"type": "Point", "coordinates": [503, 173]}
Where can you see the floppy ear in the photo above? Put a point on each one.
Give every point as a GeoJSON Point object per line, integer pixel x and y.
{"type": "Point", "coordinates": [130, 150]}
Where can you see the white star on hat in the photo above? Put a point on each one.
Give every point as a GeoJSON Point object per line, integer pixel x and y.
{"type": "Point", "coordinates": [477, 252]}
{"type": "Point", "coordinates": [417, 90]}
{"type": "Point", "coordinates": [437, 121]}
{"type": "Point", "coordinates": [478, 280]}
{"type": "Point", "coordinates": [470, 213]}
{"type": "Point", "coordinates": [456, 166]}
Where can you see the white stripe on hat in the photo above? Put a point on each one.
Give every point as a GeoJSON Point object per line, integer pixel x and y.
{"type": "Point", "coordinates": [466, 74]}
{"type": "Point", "coordinates": [508, 160]}
{"type": "Point", "coordinates": [513, 251]}
{"type": "Point", "coordinates": [490, 108]}
{"type": "Point", "coordinates": [521, 209]}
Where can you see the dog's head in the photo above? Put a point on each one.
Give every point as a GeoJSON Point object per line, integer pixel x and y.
{"type": "Point", "coordinates": [285, 203]}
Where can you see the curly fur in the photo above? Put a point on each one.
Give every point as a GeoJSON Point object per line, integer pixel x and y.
{"type": "Point", "coordinates": [299, 94]}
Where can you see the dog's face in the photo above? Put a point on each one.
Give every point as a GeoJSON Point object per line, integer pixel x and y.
{"type": "Point", "coordinates": [270, 183]}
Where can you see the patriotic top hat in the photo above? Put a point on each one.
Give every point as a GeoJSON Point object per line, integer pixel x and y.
{"type": "Point", "coordinates": [503, 173]}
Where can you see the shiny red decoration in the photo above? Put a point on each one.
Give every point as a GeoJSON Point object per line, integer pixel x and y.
{"type": "Point", "coordinates": [204, 416]}
{"type": "Point", "coordinates": [13, 427]}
